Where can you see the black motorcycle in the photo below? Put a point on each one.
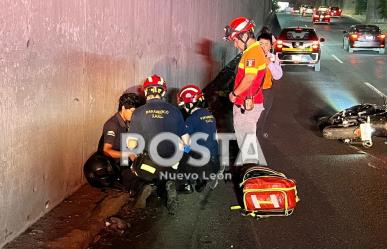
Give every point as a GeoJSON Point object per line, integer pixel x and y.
{"type": "Point", "coordinates": [356, 124]}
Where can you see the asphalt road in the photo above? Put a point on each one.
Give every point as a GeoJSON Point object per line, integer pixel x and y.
{"type": "Point", "coordinates": [342, 188]}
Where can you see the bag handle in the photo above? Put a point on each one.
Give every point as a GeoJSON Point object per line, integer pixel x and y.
{"type": "Point", "coordinates": [270, 171]}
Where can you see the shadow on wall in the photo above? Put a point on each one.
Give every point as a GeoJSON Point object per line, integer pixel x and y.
{"type": "Point", "coordinates": [203, 62]}
{"type": "Point", "coordinates": [213, 56]}
{"type": "Point", "coordinates": [167, 68]}
{"type": "Point", "coordinates": [207, 59]}
{"type": "Point", "coordinates": [135, 89]}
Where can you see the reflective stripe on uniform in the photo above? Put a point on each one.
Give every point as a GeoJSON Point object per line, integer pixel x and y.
{"type": "Point", "coordinates": [254, 70]}
{"type": "Point", "coordinates": [261, 67]}
{"type": "Point", "coordinates": [148, 168]}
{"type": "Point", "coordinates": [251, 70]}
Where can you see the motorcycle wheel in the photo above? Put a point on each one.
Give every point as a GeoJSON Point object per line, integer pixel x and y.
{"type": "Point", "coordinates": [337, 132]}
{"type": "Point", "coordinates": [323, 122]}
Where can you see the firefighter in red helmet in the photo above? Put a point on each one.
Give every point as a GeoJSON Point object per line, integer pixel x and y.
{"type": "Point", "coordinates": [159, 117]}
{"type": "Point", "coordinates": [247, 94]}
{"type": "Point", "coordinates": [200, 120]}
{"type": "Point", "coordinates": [154, 86]}
{"type": "Point", "coordinates": [237, 28]}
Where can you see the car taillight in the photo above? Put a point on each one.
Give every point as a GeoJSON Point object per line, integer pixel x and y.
{"type": "Point", "coordinates": [315, 45]}
{"type": "Point", "coordinates": [316, 16]}
{"type": "Point", "coordinates": [328, 16]}
{"type": "Point", "coordinates": [354, 36]}
{"type": "Point", "coordinates": [279, 44]}
{"type": "Point", "coordinates": [382, 36]}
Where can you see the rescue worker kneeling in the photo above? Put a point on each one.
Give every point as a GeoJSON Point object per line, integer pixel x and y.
{"type": "Point", "coordinates": [103, 168]}
{"type": "Point", "coordinates": [199, 121]}
{"type": "Point", "coordinates": [157, 117]}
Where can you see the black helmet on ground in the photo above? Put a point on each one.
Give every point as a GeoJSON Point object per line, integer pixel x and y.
{"type": "Point", "coordinates": [100, 172]}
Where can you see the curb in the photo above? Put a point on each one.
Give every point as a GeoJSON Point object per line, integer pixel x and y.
{"type": "Point", "coordinates": [80, 238]}
{"type": "Point", "coordinates": [75, 222]}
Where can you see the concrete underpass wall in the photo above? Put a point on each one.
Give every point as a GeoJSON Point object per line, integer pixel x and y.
{"type": "Point", "coordinates": [63, 65]}
{"type": "Point", "coordinates": [349, 7]}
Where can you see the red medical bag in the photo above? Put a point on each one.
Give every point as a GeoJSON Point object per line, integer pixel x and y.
{"type": "Point", "coordinates": [268, 193]}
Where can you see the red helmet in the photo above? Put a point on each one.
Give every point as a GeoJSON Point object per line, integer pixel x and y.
{"type": "Point", "coordinates": [154, 81]}
{"type": "Point", "coordinates": [189, 94]}
{"type": "Point", "coordinates": [237, 26]}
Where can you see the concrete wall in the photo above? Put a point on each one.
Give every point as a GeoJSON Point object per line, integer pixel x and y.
{"type": "Point", "coordinates": [63, 65]}
{"type": "Point", "coordinates": [349, 7]}
{"type": "Point", "coordinates": [371, 14]}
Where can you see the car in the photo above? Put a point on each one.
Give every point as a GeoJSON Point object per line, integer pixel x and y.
{"type": "Point", "coordinates": [336, 11]}
{"type": "Point", "coordinates": [308, 10]}
{"type": "Point", "coordinates": [364, 37]}
{"type": "Point", "coordinates": [321, 17]}
{"type": "Point", "coordinates": [299, 46]}
{"type": "Point", "coordinates": [296, 11]}
{"type": "Point", "coordinates": [302, 8]}
{"type": "Point", "coordinates": [323, 8]}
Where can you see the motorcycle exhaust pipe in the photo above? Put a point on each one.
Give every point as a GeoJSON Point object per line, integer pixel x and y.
{"type": "Point", "coordinates": [352, 132]}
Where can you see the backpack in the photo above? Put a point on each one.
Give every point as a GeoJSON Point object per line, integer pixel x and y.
{"type": "Point", "coordinates": [267, 193]}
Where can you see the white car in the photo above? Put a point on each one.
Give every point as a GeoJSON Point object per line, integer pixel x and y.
{"type": "Point", "coordinates": [308, 10]}
{"type": "Point", "coordinates": [323, 8]}
{"type": "Point", "coordinates": [302, 8]}
{"type": "Point", "coordinates": [296, 12]}
{"type": "Point", "coordinates": [299, 46]}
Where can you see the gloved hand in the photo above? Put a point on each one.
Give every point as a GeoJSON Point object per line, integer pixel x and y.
{"type": "Point", "coordinates": [187, 149]}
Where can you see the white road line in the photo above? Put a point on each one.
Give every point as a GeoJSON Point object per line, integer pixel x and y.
{"type": "Point", "coordinates": [383, 162]}
{"type": "Point", "coordinates": [340, 61]}
{"type": "Point", "coordinates": [375, 89]}
{"type": "Point", "coordinates": [373, 166]}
